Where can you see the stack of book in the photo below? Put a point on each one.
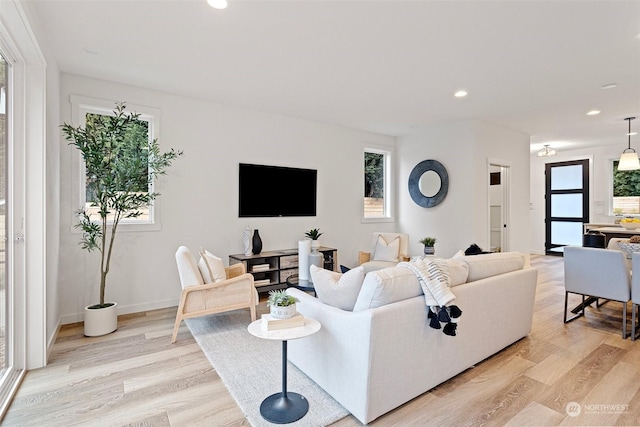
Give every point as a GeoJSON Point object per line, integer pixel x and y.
{"type": "Point", "coordinates": [272, 324]}
{"type": "Point", "coordinates": [261, 282]}
{"type": "Point", "coordinates": [260, 267]}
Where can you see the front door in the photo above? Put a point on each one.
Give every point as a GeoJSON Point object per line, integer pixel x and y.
{"type": "Point", "coordinates": [566, 204]}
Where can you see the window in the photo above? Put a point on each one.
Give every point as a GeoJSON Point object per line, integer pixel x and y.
{"type": "Point", "coordinates": [145, 129]}
{"type": "Point", "coordinates": [377, 173]}
{"type": "Point", "coordinates": [625, 198]}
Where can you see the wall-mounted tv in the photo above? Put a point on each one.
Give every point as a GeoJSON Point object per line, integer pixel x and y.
{"type": "Point", "coordinates": [267, 191]}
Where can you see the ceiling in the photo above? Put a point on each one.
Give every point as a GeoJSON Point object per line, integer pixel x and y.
{"type": "Point", "coordinates": [390, 67]}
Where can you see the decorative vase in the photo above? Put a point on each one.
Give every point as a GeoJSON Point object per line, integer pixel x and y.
{"type": "Point", "coordinates": [100, 321]}
{"type": "Point", "coordinates": [246, 241]}
{"type": "Point", "coordinates": [283, 312]}
{"type": "Point", "coordinates": [315, 258]}
{"type": "Point", "coordinates": [429, 250]}
{"type": "Point", "coordinates": [256, 243]}
{"type": "Point", "coordinates": [304, 249]}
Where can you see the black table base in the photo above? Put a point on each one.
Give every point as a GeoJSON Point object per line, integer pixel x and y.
{"type": "Point", "coordinates": [284, 408]}
{"type": "Point", "coordinates": [279, 409]}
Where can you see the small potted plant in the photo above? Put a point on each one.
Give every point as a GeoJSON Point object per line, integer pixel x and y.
{"type": "Point", "coordinates": [314, 234]}
{"type": "Point", "coordinates": [282, 305]}
{"type": "Point", "coordinates": [428, 243]}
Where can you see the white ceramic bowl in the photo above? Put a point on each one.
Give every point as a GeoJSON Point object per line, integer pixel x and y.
{"type": "Point", "coordinates": [630, 225]}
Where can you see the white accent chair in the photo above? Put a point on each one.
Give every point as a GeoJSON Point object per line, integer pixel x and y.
{"type": "Point", "coordinates": [597, 273]}
{"type": "Point", "coordinates": [374, 259]}
{"type": "Point", "coordinates": [635, 294]}
{"type": "Point", "coordinates": [200, 299]}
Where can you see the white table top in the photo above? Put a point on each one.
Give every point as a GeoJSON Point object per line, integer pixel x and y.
{"type": "Point", "coordinates": [617, 229]}
{"type": "Point", "coordinates": [311, 326]}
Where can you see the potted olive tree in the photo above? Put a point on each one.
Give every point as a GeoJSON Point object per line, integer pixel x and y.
{"type": "Point", "coordinates": [120, 162]}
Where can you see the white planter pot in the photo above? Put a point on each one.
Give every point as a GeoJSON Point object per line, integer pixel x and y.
{"type": "Point", "coordinates": [100, 321]}
{"type": "Point", "coordinates": [287, 312]}
{"type": "Point", "coordinates": [315, 243]}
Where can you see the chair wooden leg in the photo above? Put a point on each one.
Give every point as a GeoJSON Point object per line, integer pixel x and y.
{"type": "Point", "coordinates": [252, 308]}
{"type": "Point", "coordinates": [580, 313]}
{"type": "Point", "coordinates": [175, 328]}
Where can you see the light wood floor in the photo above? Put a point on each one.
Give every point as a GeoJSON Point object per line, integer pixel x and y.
{"type": "Point", "coordinates": [136, 377]}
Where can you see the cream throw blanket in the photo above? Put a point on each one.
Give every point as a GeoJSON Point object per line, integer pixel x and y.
{"type": "Point", "coordinates": [434, 279]}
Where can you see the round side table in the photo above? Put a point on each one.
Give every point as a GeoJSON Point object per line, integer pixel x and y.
{"type": "Point", "coordinates": [284, 407]}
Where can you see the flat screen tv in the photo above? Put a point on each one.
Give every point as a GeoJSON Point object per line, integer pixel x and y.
{"type": "Point", "coordinates": [271, 191]}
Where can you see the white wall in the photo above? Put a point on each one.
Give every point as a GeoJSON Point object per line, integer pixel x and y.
{"type": "Point", "coordinates": [199, 194]}
{"type": "Point", "coordinates": [599, 187]}
{"type": "Point", "coordinates": [52, 178]}
{"type": "Point", "coordinates": [463, 217]}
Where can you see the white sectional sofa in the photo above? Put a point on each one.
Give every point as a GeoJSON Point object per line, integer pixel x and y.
{"type": "Point", "coordinates": [373, 360]}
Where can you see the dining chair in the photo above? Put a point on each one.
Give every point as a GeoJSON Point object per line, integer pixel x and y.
{"type": "Point", "coordinates": [635, 294]}
{"type": "Point", "coordinates": [597, 273]}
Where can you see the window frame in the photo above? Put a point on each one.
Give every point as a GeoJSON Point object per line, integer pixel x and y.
{"type": "Point", "coordinates": [612, 160]}
{"type": "Point", "coordinates": [80, 106]}
{"type": "Point", "coordinates": [388, 153]}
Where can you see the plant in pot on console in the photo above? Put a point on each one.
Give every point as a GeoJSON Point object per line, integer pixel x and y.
{"type": "Point", "coordinates": [282, 305]}
{"type": "Point", "coordinates": [120, 164]}
{"type": "Point", "coordinates": [428, 243]}
{"type": "Point", "coordinates": [314, 234]}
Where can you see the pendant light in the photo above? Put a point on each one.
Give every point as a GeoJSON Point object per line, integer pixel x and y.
{"type": "Point", "coordinates": [546, 151]}
{"type": "Point", "coordinates": [629, 158]}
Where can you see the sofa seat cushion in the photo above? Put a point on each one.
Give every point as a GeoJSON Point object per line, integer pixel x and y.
{"type": "Point", "coordinates": [487, 265]}
{"type": "Point", "coordinates": [386, 286]}
{"type": "Point", "coordinates": [337, 289]}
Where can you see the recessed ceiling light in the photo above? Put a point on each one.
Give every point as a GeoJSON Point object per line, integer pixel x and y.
{"type": "Point", "coordinates": [218, 4]}
{"type": "Point", "coordinates": [609, 86]}
{"type": "Point", "coordinates": [460, 94]}
{"type": "Point", "coordinates": [593, 112]}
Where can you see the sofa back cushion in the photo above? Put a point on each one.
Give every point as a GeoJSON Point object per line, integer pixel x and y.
{"type": "Point", "coordinates": [487, 265]}
{"type": "Point", "coordinates": [386, 286]}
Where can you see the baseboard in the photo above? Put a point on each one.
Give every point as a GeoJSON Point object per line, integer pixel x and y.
{"type": "Point", "coordinates": [52, 339]}
{"type": "Point", "coordinates": [123, 309]}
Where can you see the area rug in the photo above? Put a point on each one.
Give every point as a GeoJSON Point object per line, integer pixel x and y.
{"type": "Point", "coordinates": [251, 369]}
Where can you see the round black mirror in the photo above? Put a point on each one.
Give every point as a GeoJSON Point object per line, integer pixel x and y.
{"type": "Point", "coordinates": [428, 183]}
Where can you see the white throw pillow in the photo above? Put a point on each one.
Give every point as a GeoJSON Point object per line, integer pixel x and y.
{"type": "Point", "coordinates": [337, 289]}
{"type": "Point", "coordinates": [458, 271]}
{"type": "Point", "coordinates": [386, 286]}
{"type": "Point", "coordinates": [211, 267]}
{"type": "Point", "coordinates": [386, 251]}
{"type": "Point", "coordinates": [629, 248]}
